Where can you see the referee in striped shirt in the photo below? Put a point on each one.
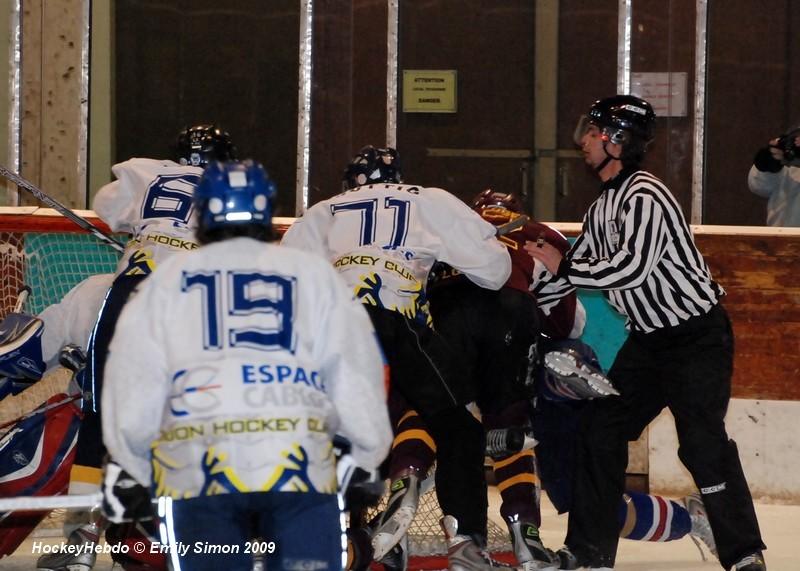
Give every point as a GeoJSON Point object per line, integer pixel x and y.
{"type": "Point", "coordinates": [637, 248]}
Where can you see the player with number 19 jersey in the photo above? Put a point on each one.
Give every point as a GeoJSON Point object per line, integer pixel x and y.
{"type": "Point", "coordinates": [384, 238]}
{"type": "Point", "coordinates": [247, 354]}
{"type": "Point", "coordinates": [152, 200]}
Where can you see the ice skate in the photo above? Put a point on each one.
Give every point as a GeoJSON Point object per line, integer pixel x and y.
{"type": "Point", "coordinates": [397, 558]}
{"type": "Point", "coordinates": [568, 561]}
{"type": "Point", "coordinates": [528, 548]}
{"type": "Point", "coordinates": [701, 528]}
{"type": "Point", "coordinates": [579, 379]}
{"type": "Point", "coordinates": [82, 559]}
{"type": "Point", "coordinates": [464, 553]}
{"type": "Point", "coordinates": [399, 513]}
{"type": "Point", "coordinates": [753, 562]}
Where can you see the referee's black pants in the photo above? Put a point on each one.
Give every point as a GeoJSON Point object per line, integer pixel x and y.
{"type": "Point", "coordinates": [423, 369]}
{"type": "Point", "coordinates": [688, 369]}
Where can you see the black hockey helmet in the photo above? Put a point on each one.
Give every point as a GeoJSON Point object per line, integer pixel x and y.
{"type": "Point", "coordinates": [624, 119]}
{"type": "Point", "coordinates": [373, 165]}
{"type": "Point", "coordinates": [201, 144]}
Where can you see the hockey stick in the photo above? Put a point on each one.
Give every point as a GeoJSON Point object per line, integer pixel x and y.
{"type": "Point", "coordinates": [38, 410]}
{"type": "Point", "coordinates": [518, 222]}
{"type": "Point", "coordinates": [47, 503]}
{"type": "Point", "coordinates": [56, 205]}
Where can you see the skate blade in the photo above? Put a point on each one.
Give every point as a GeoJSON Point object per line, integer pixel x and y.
{"type": "Point", "coordinates": [569, 371]}
{"type": "Point", "coordinates": [538, 566]}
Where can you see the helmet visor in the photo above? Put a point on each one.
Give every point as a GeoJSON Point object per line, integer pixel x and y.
{"type": "Point", "coordinates": [581, 129]}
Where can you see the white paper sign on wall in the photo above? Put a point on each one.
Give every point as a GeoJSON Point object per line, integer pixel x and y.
{"type": "Point", "coordinates": [666, 92]}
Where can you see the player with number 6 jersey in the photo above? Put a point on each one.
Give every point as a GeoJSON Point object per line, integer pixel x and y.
{"type": "Point", "coordinates": [152, 200]}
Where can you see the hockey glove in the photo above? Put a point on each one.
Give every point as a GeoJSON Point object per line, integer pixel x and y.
{"type": "Point", "coordinates": [359, 487]}
{"type": "Point", "coordinates": [124, 499]}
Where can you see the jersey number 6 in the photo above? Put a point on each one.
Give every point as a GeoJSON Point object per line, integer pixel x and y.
{"type": "Point", "coordinates": [245, 294]}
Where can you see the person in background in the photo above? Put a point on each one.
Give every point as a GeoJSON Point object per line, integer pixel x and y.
{"type": "Point", "coordinates": [775, 175]}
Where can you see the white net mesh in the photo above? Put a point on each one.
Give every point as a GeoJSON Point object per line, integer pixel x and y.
{"type": "Point", "coordinates": [425, 536]}
{"type": "Point", "coordinates": [50, 264]}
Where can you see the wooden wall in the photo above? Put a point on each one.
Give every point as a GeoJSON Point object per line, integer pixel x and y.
{"type": "Point", "coordinates": [761, 275]}
{"type": "Point", "coordinates": [51, 84]}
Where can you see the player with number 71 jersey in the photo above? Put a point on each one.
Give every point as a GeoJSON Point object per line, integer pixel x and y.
{"type": "Point", "coordinates": [384, 238]}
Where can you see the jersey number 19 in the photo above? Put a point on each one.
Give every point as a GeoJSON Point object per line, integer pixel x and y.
{"type": "Point", "coordinates": [244, 294]}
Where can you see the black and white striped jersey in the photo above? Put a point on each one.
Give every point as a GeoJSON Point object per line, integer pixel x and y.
{"type": "Point", "coordinates": [637, 247]}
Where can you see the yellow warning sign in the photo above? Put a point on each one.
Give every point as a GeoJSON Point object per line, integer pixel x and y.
{"type": "Point", "coordinates": [430, 90]}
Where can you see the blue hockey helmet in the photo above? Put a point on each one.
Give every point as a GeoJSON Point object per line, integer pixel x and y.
{"type": "Point", "coordinates": [373, 165]}
{"type": "Point", "coordinates": [199, 145]}
{"type": "Point", "coordinates": [234, 193]}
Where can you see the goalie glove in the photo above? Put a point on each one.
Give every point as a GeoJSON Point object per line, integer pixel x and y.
{"type": "Point", "coordinates": [124, 499]}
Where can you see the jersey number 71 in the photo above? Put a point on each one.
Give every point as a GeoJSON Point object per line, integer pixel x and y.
{"type": "Point", "coordinates": [370, 215]}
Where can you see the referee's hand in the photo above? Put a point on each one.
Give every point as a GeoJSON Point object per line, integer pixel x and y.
{"type": "Point", "coordinates": [545, 253]}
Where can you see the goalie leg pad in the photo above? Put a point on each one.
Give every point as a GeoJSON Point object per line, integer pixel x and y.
{"type": "Point", "coordinates": [400, 511]}
{"type": "Point", "coordinates": [21, 361]}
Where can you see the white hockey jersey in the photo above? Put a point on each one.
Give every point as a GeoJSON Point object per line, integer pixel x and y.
{"type": "Point", "coordinates": [152, 200]}
{"type": "Point", "coordinates": [384, 239]}
{"type": "Point", "coordinates": [233, 367]}
{"type": "Point", "coordinates": [72, 319]}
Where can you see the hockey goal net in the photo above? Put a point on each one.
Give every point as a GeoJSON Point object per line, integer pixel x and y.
{"type": "Point", "coordinates": [45, 251]}
{"type": "Point", "coordinates": [426, 543]}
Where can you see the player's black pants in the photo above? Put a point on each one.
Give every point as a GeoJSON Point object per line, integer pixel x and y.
{"type": "Point", "coordinates": [687, 368]}
{"type": "Point", "coordinates": [89, 450]}
{"type": "Point", "coordinates": [423, 370]}
{"type": "Point", "coordinates": [492, 333]}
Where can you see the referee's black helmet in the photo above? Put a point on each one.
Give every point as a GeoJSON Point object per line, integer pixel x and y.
{"type": "Point", "coordinates": [624, 118]}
